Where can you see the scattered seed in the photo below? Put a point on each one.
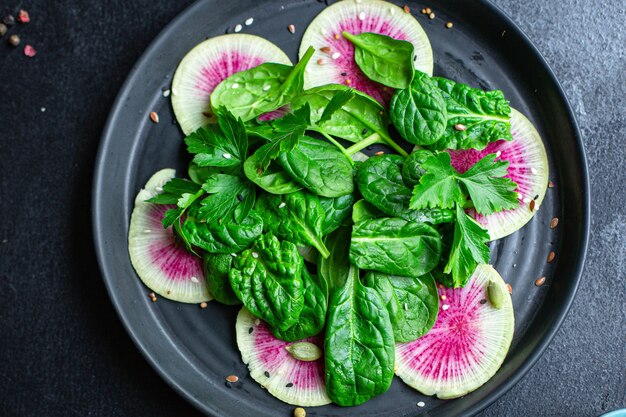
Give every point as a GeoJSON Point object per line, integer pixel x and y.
{"type": "Point", "coordinates": [203, 304]}
{"type": "Point", "coordinates": [207, 114]}
{"type": "Point", "coordinates": [326, 49]}
{"type": "Point", "coordinates": [449, 25]}
{"type": "Point", "coordinates": [406, 9]}
{"type": "Point", "coordinates": [428, 10]}
{"type": "Point", "coordinates": [483, 301]}
{"type": "Point", "coordinates": [540, 281]}
{"type": "Point", "coordinates": [320, 61]}
{"type": "Point", "coordinates": [174, 91]}
{"type": "Point", "coordinates": [406, 306]}
{"type": "Point", "coordinates": [348, 81]}
{"type": "Point", "coordinates": [238, 28]}
{"type": "Point", "coordinates": [14, 40]}
{"type": "Point", "coordinates": [255, 255]}
{"type": "Point", "coordinates": [551, 184]}
{"type": "Point", "coordinates": [531, 206]}
{"type": "Point", "coordinates": [392, 10]}
{"type": "Point", "coordinates": [509, 288]}
{"type": "Point", "coordinates": [336, 36]}
{"type": "Point", "coordinates": [257, 322]}
{"type": "Point", "coordinates": [362, 16]}
{"type": "Point", "coordinates": [291, 28]}
{"type": "Point", "coordinates": [381, 112]}
{"type": "Point", "coordinates": [249, 21]}
{"type": "Point", "coordinates": [554, 222]}
{"type": "Point", "coordinates": [3, 29]}
{"type": "Point", "coordinates": [421, 404]}
{"type": "Point", "coordinates": [166, 93]}
{"type": "Point", "coordinates": [443, 297]}
{"type": "Point", "coordinates": [445, 307]}
{"type": "Point", "coordinates": [281, 205]}
{"type": "Point", "coordinates": [23, 16]}
{"type": "Point", "coordinates": [234, 255]}
{"type": "Point", "coordinates": [423, 11]}
{"type": "Point", "coordinates": [239, 197]}
{"type": "Point", "coordinates": [235, 85]}
{"type": "Point", "coordinates": [459, 127]}
{"type": "Point", "coordinates": [533, 170]}
{"type": "Point", "coordinates": [498, 154]}
{"type": "Point", "coordinates": [250, 330]}
{"type": "Point", "coordinates": [289, 385]}
{"type": "Point", "coordinates": [227, 156]}
{"type": "Point", "coordinates": [536, 196]}
{"type": "Point", "coordinates": [299, 412]}
{"type": "Point", "coordinates": [154, 117]}
{"type": "Point", "coordinates": [152, 297]}
{"type": "Point", "coordinates": [267, 374]}
{"type": "Point", "coordinates": [551, 256]}
{"type": "Point", "coordinates": [343, 74]}
{"type": "Point", "coordinates": [335, 55]}
{"type": "Point", "coordinates": [267, 87]}
{"type": "Point", "coordinates": [431, 16]}
{"type": "Point", "coordinates": [503, 32]}
{"type": "Point", "coordinates": [194, 280]}
{"type": "Point", "coordinates": [9, 20]}
{"type": "Point", "coordinates": [43, 109]}
{"type": "Point", "coordinates": [364, 131]}
{"type": "Point", "coordinates": [379, 153]}
{"type": "Point", "coordinates": [232, 378]}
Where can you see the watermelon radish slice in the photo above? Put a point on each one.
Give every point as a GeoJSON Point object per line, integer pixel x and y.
{"type": "Point", "coordinates": [528, 167]}
{"type": "Point", "coordinates": [161, 262]}
{"type": "Point", "coordinates": [294, 381]}
{"type": "Point", "coordinates": [468, 342]}
{"type": "Point", "coordinates": [208, 64]}
{"type": "Point", "coordinates": [333, 61]}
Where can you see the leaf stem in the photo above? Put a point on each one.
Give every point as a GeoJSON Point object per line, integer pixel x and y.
{"type": "Point", "coordinates": [393, 144]}
{"type": "Point", "coordinates": [321, 248]}
{"type": "Point", "coordinates": [370, 140]}
{"type": "Point", "coordinates": [334, 142]}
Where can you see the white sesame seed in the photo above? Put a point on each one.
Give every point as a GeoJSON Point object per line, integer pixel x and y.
{"type": "Point", "coordinates": [166, 93]}
{"type": "Point", "coordinates": [235, 85]}
{"type": "Point", "coordinates": [533, 170]}
{"type": "Point", "coordinates": [227, 156]}
{"type": "Point", "coordinates": [406, 306]}
{"type": "Point", "coordinates": [362, 16]}
{"type": "Point", "coordinates": [255, 255]}
{"type": "Point", "coordinates": [421, 404]}
{"type": "Point", "coordinates": [159, 189]}
{"type": "Point", "coordinates": [238, 28]}
{"type": "Point", "coordinates": [335, 55]}
{"type": "Point", "coordinates": [392, 10]}
{"type": "Point", "coordinates": [267, 87]}
{"type": "Point", "coordinates": [281, 205]}
{"type": "Point", "coordinates": [43, 109]}
{"type": "Point", "coordinates": [194, 280]}
{"type": "Point", "coordinates": [445, 307]}
{"type": "Point", "coordinates": [498, 154]}
{"type": "Point", "coordinates": [249, 21]}
{"type": "Point", "coordinates": [174, 91]}
{"type": "Point", "coordinates": [257, 322]}
{"type": "Point", "coordinates": [526, 200]}
{"type": "Point", "coordinates": [147, 231]}
{"type": "Point", "coordinates": [234, 255]}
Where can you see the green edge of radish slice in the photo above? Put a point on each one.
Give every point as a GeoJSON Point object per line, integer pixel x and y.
{"type": "Point", "coordinates": [290, 380]}
{"type": "Point", "coordinates": [161, 263]}
{"type": "Point", "coordinates": [206, 65]}
{"type": "Point", "coordinates": [467, 344]}
{"type": "Point", "coordinates": [357, 16]}
{"type": "Point", "coordinates": [528, 167]}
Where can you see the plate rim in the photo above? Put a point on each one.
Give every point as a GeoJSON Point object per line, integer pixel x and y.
{"type": "Point", "coordinates": [99, 243]}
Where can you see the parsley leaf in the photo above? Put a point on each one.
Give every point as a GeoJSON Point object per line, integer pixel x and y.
{"type": "Point", "coordinates": [468, 248]}
{"type": "Point", "coordinates": [336, 103]}
{"type": "Point", "coordinates": [230, 195]}
{"type": "Point", "coordinates": [443, 186]}
{"type": "Point", "coordinates": [173, 191]}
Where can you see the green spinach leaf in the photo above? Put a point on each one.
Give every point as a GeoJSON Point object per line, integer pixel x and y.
{"type": "Point", "coordinates": [395, 246]}
{"type": "Point", "coordinates": [419, 111]}
{"type": "Point", "coordinates": [364, 210]}
{"type": "Point", "coordinates": [319, 166]}
{"type": "Point", "coordinates": [296, 217]}
{"type": "Point", "coordinates": [216, 269]}
{"type": "Point", "coordinates": [333, 271]}
{"type": "Point", "coordinates": [412, 169]}
{"type": "Point", "coordinates": [412, 302]}
{"type": "Point", "coordinates": [359, 345]}
{"type": "Point", "coordinates": [383, 59]}
{"type": "Point", "coordinates": [227, 236]}
{"type": "Point", "coordinates": [268, 279]}
{"type": "Point", "coordinates": [336, 211]}
{"type": "Point", "coordinates": [273, 180]}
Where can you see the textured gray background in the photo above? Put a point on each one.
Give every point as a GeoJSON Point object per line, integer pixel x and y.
{"type": "Point", "coordinates": [62, 348]}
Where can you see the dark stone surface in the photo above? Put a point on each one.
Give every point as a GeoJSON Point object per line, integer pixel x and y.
{"type": "Point", "coordinates": [63, 350]}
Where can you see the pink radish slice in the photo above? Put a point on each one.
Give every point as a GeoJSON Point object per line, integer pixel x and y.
{"type": "Point", "coordinates": [528, 167]}
{"type": "Point", "coordinates": [467, 344]}
{"type": "Point", "coordinates": [337, 66]}
{"type": "Point", "coordinates": [271, 365]}
{"type": "Point", "coordinates": [161, 262]}
{"type": "Point", "coordinates": [208, 64]}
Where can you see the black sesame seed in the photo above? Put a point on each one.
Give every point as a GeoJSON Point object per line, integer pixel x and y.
{"type": "Point", "coordinates": [414, 58]}
{"type": "Point", "coordinates": [289, 385]}
{"type": "Point", "coordinates": [536, 197]}
{"type": "Point", "coordinates": [239, 197]}
{"type": "Point", "coordinates": [364, 131]}
{"type": "Point", "coordinates": [267, 374]}
{"type": "Point", "coordinates": [250, 330]}
{"type": "Point", "coordinates": [483, 301]}
{"type": "Point", "coordinates": [343, 74]}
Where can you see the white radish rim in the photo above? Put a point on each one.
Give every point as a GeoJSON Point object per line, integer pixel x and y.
{"type": "Point", "coordinates": [492, 329]}
{"type": "Point", "coordinates": [276, 371]}
{"type": "Point", "coordinates": [191, 95]}
{"type": "Point", "coordinates": [146, 231]}
{"type": "Point", "coordinates": [318, 35]}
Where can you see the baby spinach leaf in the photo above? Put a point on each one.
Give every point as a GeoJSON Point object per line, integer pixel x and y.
{"type": "Point", "coordinates": [412, 169]}
{"type": "Point", "coordinates": [364, 210]}
{"type": "Point", "coordinates": [484, 115]}
{"type": "Point", "coordinates": [412, 302]}
{"type": "Point", "coordinates": [336, 211]}
{"type": "Point", "coordinates": [359, 345]}
{"type": "Point", "coordinates": [468, 249]}
{"type": "Point", "coordinates": [226, 236]}
{"type": "Point", "coordinates": [216, 269]}
{"type": "Point", "coordinates": [297, 217]}
{"type": "Point", "coordinates": [419, 111]}
{"type": "Point", "coordinates": [268, 279]}
{"type": "Point", "coordinates": [273, 180]}
{"type": "Point", "coordinates": [319, 166]}
{"type": "Point", "coordinates": [395, 246]}
{"type": "Point", "coordinates": [333, 271]}
{"type": "Point", "coordinates": [380, 182]}
{"type": "Point", "coordinates": [383, 59]}
{"type": "Point", "coordinates": [313, 315]}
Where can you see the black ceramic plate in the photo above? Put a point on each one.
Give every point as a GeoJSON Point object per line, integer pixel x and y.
{"type": "Point", "coordinates": [195, 349]}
